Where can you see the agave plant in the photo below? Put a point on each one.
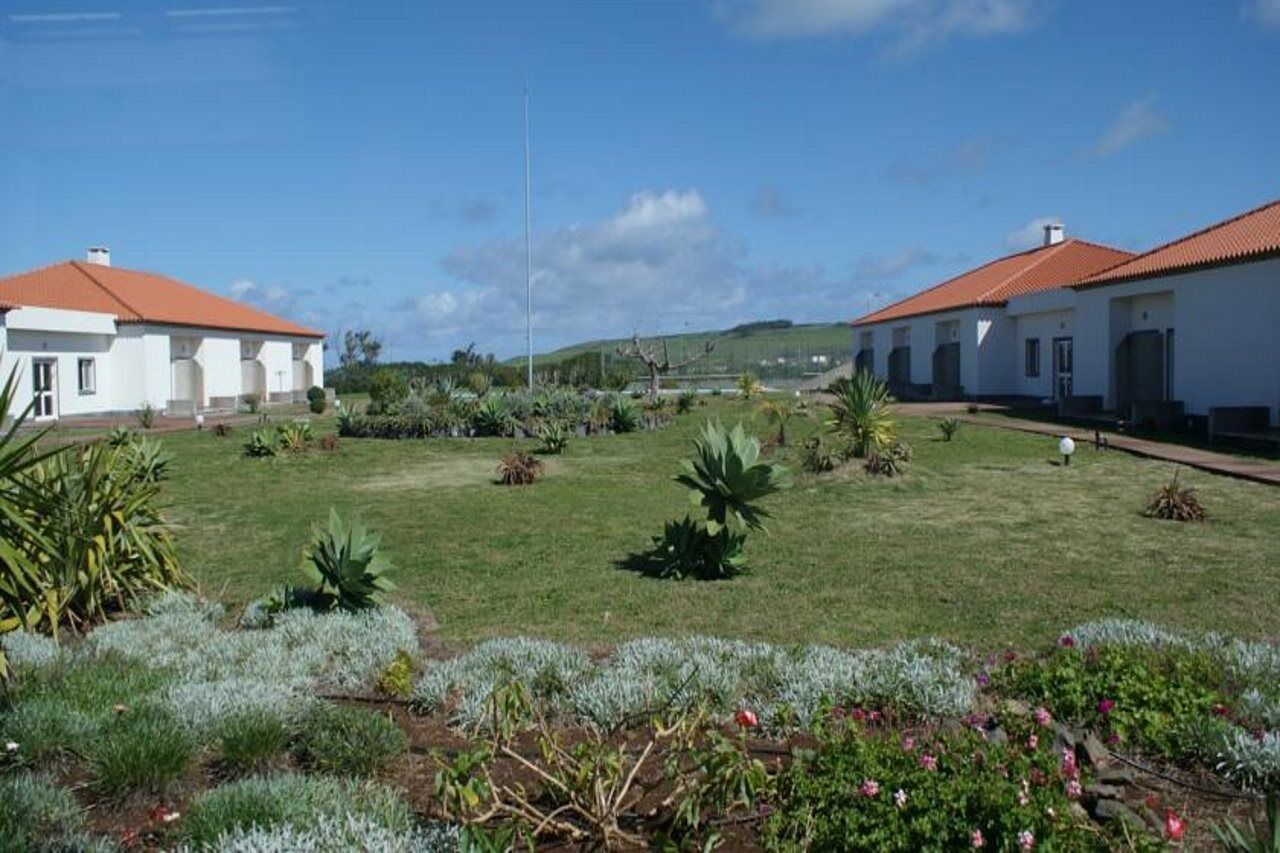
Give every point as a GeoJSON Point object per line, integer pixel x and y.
{"type": "Point", "coordinates": [295, 435]}
{"type": "Point", "coordinates": [554, 437]}
{"type": "Point", "coordinates": [624, 415]}
{"type": "Point", "coordinates": [861, 413]}
{"type": "Point", "coordinates": [343, 560]}
{"type": "Point", "coordinates": [493, 417]}
{"type": "Point", "coordinates": [685, 549]}
{"type": "Point", "coordinates": [686, 401]}
{"type": "Point", "coordinates": [119, 436]}
{"type": "Point", "coordinates": [260, 445]}
{"type": "Point", "coordinates": [727, 479]}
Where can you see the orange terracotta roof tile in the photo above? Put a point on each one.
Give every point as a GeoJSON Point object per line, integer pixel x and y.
{"type": "Point", "coordinates": [139, 297]}
{"type": "Point", "coordinates": [1249, 236]}
{"type": "Point", "coordinates": [993, 283]}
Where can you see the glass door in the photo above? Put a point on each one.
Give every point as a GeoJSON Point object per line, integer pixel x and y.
{"type": "Point", "coordinates": [1062, 367]}
{"type": "Point", "coordinates": [42, 388]}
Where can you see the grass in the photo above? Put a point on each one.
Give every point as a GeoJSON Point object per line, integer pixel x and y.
{"type": "Point", "coordinates": [986, 541]}
{"type": "Point", "coordinates": [349, 741]}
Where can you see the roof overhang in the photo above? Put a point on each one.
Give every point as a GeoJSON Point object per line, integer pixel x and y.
{"type": "Point", "coordinates": [32, 318]}
{"type": "Point", "coordinates": [308, 334]}
{"type": "Point", "coordinates": [1183, 270]}
{"type": "Point", "coordinates": [869, 319]}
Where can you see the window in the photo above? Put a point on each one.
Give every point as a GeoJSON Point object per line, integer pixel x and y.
{"type": "Point", "coordinates": [1033, 357]}
{"type": "Point", "coordinates": [88, 376]}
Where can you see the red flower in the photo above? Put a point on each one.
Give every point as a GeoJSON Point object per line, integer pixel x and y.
{"type": "Point", "coordinates": [746, 718]}
{"type": "Point", "coordinates": [1067, 641]}
{"type": "Point", "coordinates": [1221, 711]}
{"type": "Point", "coordinates": [128, 838]}
{"type": "Point", "coordinates": [1105, 706]}
{"type": "Point", "coordinates": [858, 714]}
{"type": "Point", "coordinates": [1174, 825]}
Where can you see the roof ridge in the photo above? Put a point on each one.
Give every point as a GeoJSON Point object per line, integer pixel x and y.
{"type": "Point", "coordinates": [111, 293]}
{"type": "Point", "coordinates": [1185, 237]}
{"type": "Point", "coordinates": [1014, 276]}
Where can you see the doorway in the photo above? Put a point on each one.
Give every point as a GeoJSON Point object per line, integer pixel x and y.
{"type": "Point", "coordinates": [44, 397]}
{"type": "Point", "coordinates": [1063, 367]}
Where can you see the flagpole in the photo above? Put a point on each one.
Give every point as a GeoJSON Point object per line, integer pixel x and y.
{"type": "Point", "coordinates": [528, 246]}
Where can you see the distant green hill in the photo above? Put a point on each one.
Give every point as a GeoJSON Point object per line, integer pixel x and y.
{"type": "Point", "coordinates": [773, 349]}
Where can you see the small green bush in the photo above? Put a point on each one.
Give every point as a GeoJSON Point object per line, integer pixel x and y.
{"type": "Point", "coordinates": [250, 741]}
{"type": "Point", "coordinates": [1147, 698]}
{"type": "Point", "coordinates": [554, 437]}
{"type": "Point", "coordinates": [146, 415]}
{"type": "Point", "coordinates": [818, 456]}
{"type": "Point", "coordinates": [288, 800]}
{"type": "Point", "coordinates": [315, 399]}
{"type": "Point", "coordinates": [387, 389]}
{"type": "Point", "coordinates": [343, 560]}
{"type": "Point", "coordinates": [867, 790]}
{"type": "Point", "coordinates": [261, 444]}
{"type": "Point", "coordinates": [686, 401]}
{"type": "Point", "coordinates": [948, 427]}
{"type": "Point", "coordinates": [397, 678]}
{"type": "Point", "coordinates": [143, 748]}
{"type": "Point", "coordinates": [36, 814]}
{"type": "Point", "coordinates": [348, 741]}
{"type": "Point", "coordinates": [294, 436]}
{"type": "Point", "coordinates": [383, 426]}
{"type": "Point", "coordinates": [624, 415]}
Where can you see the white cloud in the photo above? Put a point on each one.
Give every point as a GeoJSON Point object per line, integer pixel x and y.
{"type": "Point", "coordinates": [1265, 12]}
{"type": "Point", "coordinates": [910, 23]}
{"type": "Point", "coordinates": [1137, 121]}
{"type": "Point", "coordinates": [1030, 235]}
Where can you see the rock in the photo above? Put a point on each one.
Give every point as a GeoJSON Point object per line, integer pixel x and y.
{"type": "Point", "coordinates": [1111, 810]}
{"type": "Point", "coordinates": [1095, 751]}
{"type": "Point", "coordinates": [1154, 821]}
{"type": "Point", "coordinates": [1079, 812]}
{"type": "Point", "coordinates": [1102, 792]}
{"type": "Point", "coordinates": [1066, 737]}
{"type": "Point", "coordinates": [996, 735]}
{"type": "Point", "coordinates": [1114, 773]}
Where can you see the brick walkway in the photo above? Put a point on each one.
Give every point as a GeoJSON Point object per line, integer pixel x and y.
{"type": "Point", "coordinates": [1242, 467]}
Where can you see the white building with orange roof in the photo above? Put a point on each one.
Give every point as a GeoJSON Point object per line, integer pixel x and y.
{"type": "Point", "coordinates": [96, 339]}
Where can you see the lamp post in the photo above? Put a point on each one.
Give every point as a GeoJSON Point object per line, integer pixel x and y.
{"type": "Point", "coordinates": [1066, 447]}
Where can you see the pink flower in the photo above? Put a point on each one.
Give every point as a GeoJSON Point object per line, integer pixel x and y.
{"type": "Point", "coordinates": [1033, 742]}
{"type": "Point", "coordinates": [983, 679]}
{"type": "Point", "coordinates": [746, 718]}
{"type": "Point", "coordinates": [1073, 789]}
{"type": "Point", "coordinates": [1010, 656]}
{"type": "Point", "coordinates": [977, 840]}
{"type": "Point", "coordinates": [908, 743]}
{"type": "Point", "coordinates": [900, 798]}
{"type": "Point", "coordinates": [873, 716]}
{"type": "Point", "coordinates": [1067, 641]}
{"type": "Point", "coordinates": [1113, 739]}
{"type": "Point", "coordinates": [870, 788]}
{"type": "Point", "coordinates": [1026, 841]}
{"type": "Point", "coordinates": [1042, 716]}
{"type": "Point", "coordinates": [1174, 825]}
{"type": "Point", "coordinates": [1105, 706]}
{"type": "Point", "coordinates": [858, 714]}
{"type": "Point", "coordinates": [929, 762]}
{"type": "Point", "coordinates": [1221, 711]}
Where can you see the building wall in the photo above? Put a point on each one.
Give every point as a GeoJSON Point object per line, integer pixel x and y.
{"type": "Point", "coordinates": [30, 334]}
{"type": "Point", "coordinates": [983, 335]}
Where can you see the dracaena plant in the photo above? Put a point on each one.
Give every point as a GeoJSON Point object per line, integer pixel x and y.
{"type": "Point", "coordinates": [862, 413]}
{"type": "Point", "coordinates": [344, 561]}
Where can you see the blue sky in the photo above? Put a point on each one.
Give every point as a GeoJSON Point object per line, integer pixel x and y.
{"type": "Point", "coordinates": [696, 164]}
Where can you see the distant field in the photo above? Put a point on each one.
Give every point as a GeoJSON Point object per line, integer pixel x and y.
{"type": "Point", "coordinates": [757, 351]}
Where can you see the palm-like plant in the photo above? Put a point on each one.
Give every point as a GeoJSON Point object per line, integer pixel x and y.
{"type": "Point", "coordinates": [748, 385]}
{"type": "Point", "coordinates": [343, 560]}
{"type": "Point", "coordinates": [779, 413]}
{"type": "Point", "coordinates": [727, 479]}
{"type": "Point", "coordinates": [493, 417]}
{"type": "Point", "coordinates": [862, 413]}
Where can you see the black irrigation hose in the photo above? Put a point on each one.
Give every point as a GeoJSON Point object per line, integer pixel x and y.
{"type": "Point", "coordinates": [1192, 786]}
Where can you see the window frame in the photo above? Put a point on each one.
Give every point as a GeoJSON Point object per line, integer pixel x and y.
{"type": "Point", "coordinates": [92, 386]}
{"type": "Point", "coordinates": [1030, 365]}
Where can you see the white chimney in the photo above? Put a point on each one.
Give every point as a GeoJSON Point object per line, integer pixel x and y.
{"type": "Point", "coordinates": [99, 255]}
{"type": "Point", "coordinates": [1053, 234]}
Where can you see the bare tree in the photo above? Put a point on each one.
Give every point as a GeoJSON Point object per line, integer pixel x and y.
{"type": "Point", "coordinates": [659, 365]}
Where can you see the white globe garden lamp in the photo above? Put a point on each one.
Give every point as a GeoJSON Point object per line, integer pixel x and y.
{"type": "Point", "coordinates": [1066, 447]}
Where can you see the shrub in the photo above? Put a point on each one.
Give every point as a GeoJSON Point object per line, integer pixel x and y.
{"type": "Point", "coordinates": [387, 389]}
{"type": "Point", "coordinates": [845, 795]}
{"type": "Point", "coordinates": [889, 461]}
{"type": "Point", "coordinates": [686, 401]}
{"type": "Point", "coordinates": [294, 436]}
{"type": "Point", "coordinates": [479, 383]}
{"type": "Point", "coordinates": [779, 413]}
{"type": "Point", "coordinates": [37, 814]}
{"type": "Point", "coordinates": [344, 561]}
{"type": "Point", "coordinates": [143, 747]}
{"type": "Point", "coordinates": [554, 437]}
{"type": "Point", "coordinates": [383, 426]}
{"type": "Point", "coordinates": [146, 415]}
{"type": "Point", "coordinates": [861, 413]}
{"type": "Point", "coordinates": [326, 834]}
{"type": "Point", "coordinates": [119, 436]}
{"type": "Point", "coordinates": [315, 399]}
{"type": "Point", "coordinates": [348, 741]}
{"type": "Point", "coordinates": [98, 534]}
{"type": "Point", "coordinates": [290, 801]}
{"type": "Point", "coordinates": [519, 468]}
{"type": "Point", "coordinates": [493, 417]}
{"type": "Point", "coordinates": [252, 402]}
{"type": "Point", "coordinates": [685, 549]}
{"type": "Point", "coordinates": [818, 456]}
{"type": "Point", "coordinates": [397, 679]}
{"type": "Point", "coordinates": [222, 430]}
{"type": "Point", "coordinates": [250, 741]}
{"type": "Point", "coordinates": [624, 415]}
{"type": "Point", "coordinates": [1175, 502]}
{"type": "Point", "coordinates": [748, 385]}
{"type": "Point", "coordinates": [948, 427]}
{"type": "Point", "coordinates": [261, 444]}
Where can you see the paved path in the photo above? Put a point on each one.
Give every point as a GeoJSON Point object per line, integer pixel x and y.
{"type": "Point", "coordinates": [1243, 467]}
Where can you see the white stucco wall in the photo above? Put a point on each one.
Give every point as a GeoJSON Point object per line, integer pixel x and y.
{"type": "Point", "coordinates": [63, 337]}
{"type": "Point", "coordinates": [984, 335]}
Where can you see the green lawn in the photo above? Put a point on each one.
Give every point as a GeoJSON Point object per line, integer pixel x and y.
{"type": "Point", "coordinates": [987, 541]}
